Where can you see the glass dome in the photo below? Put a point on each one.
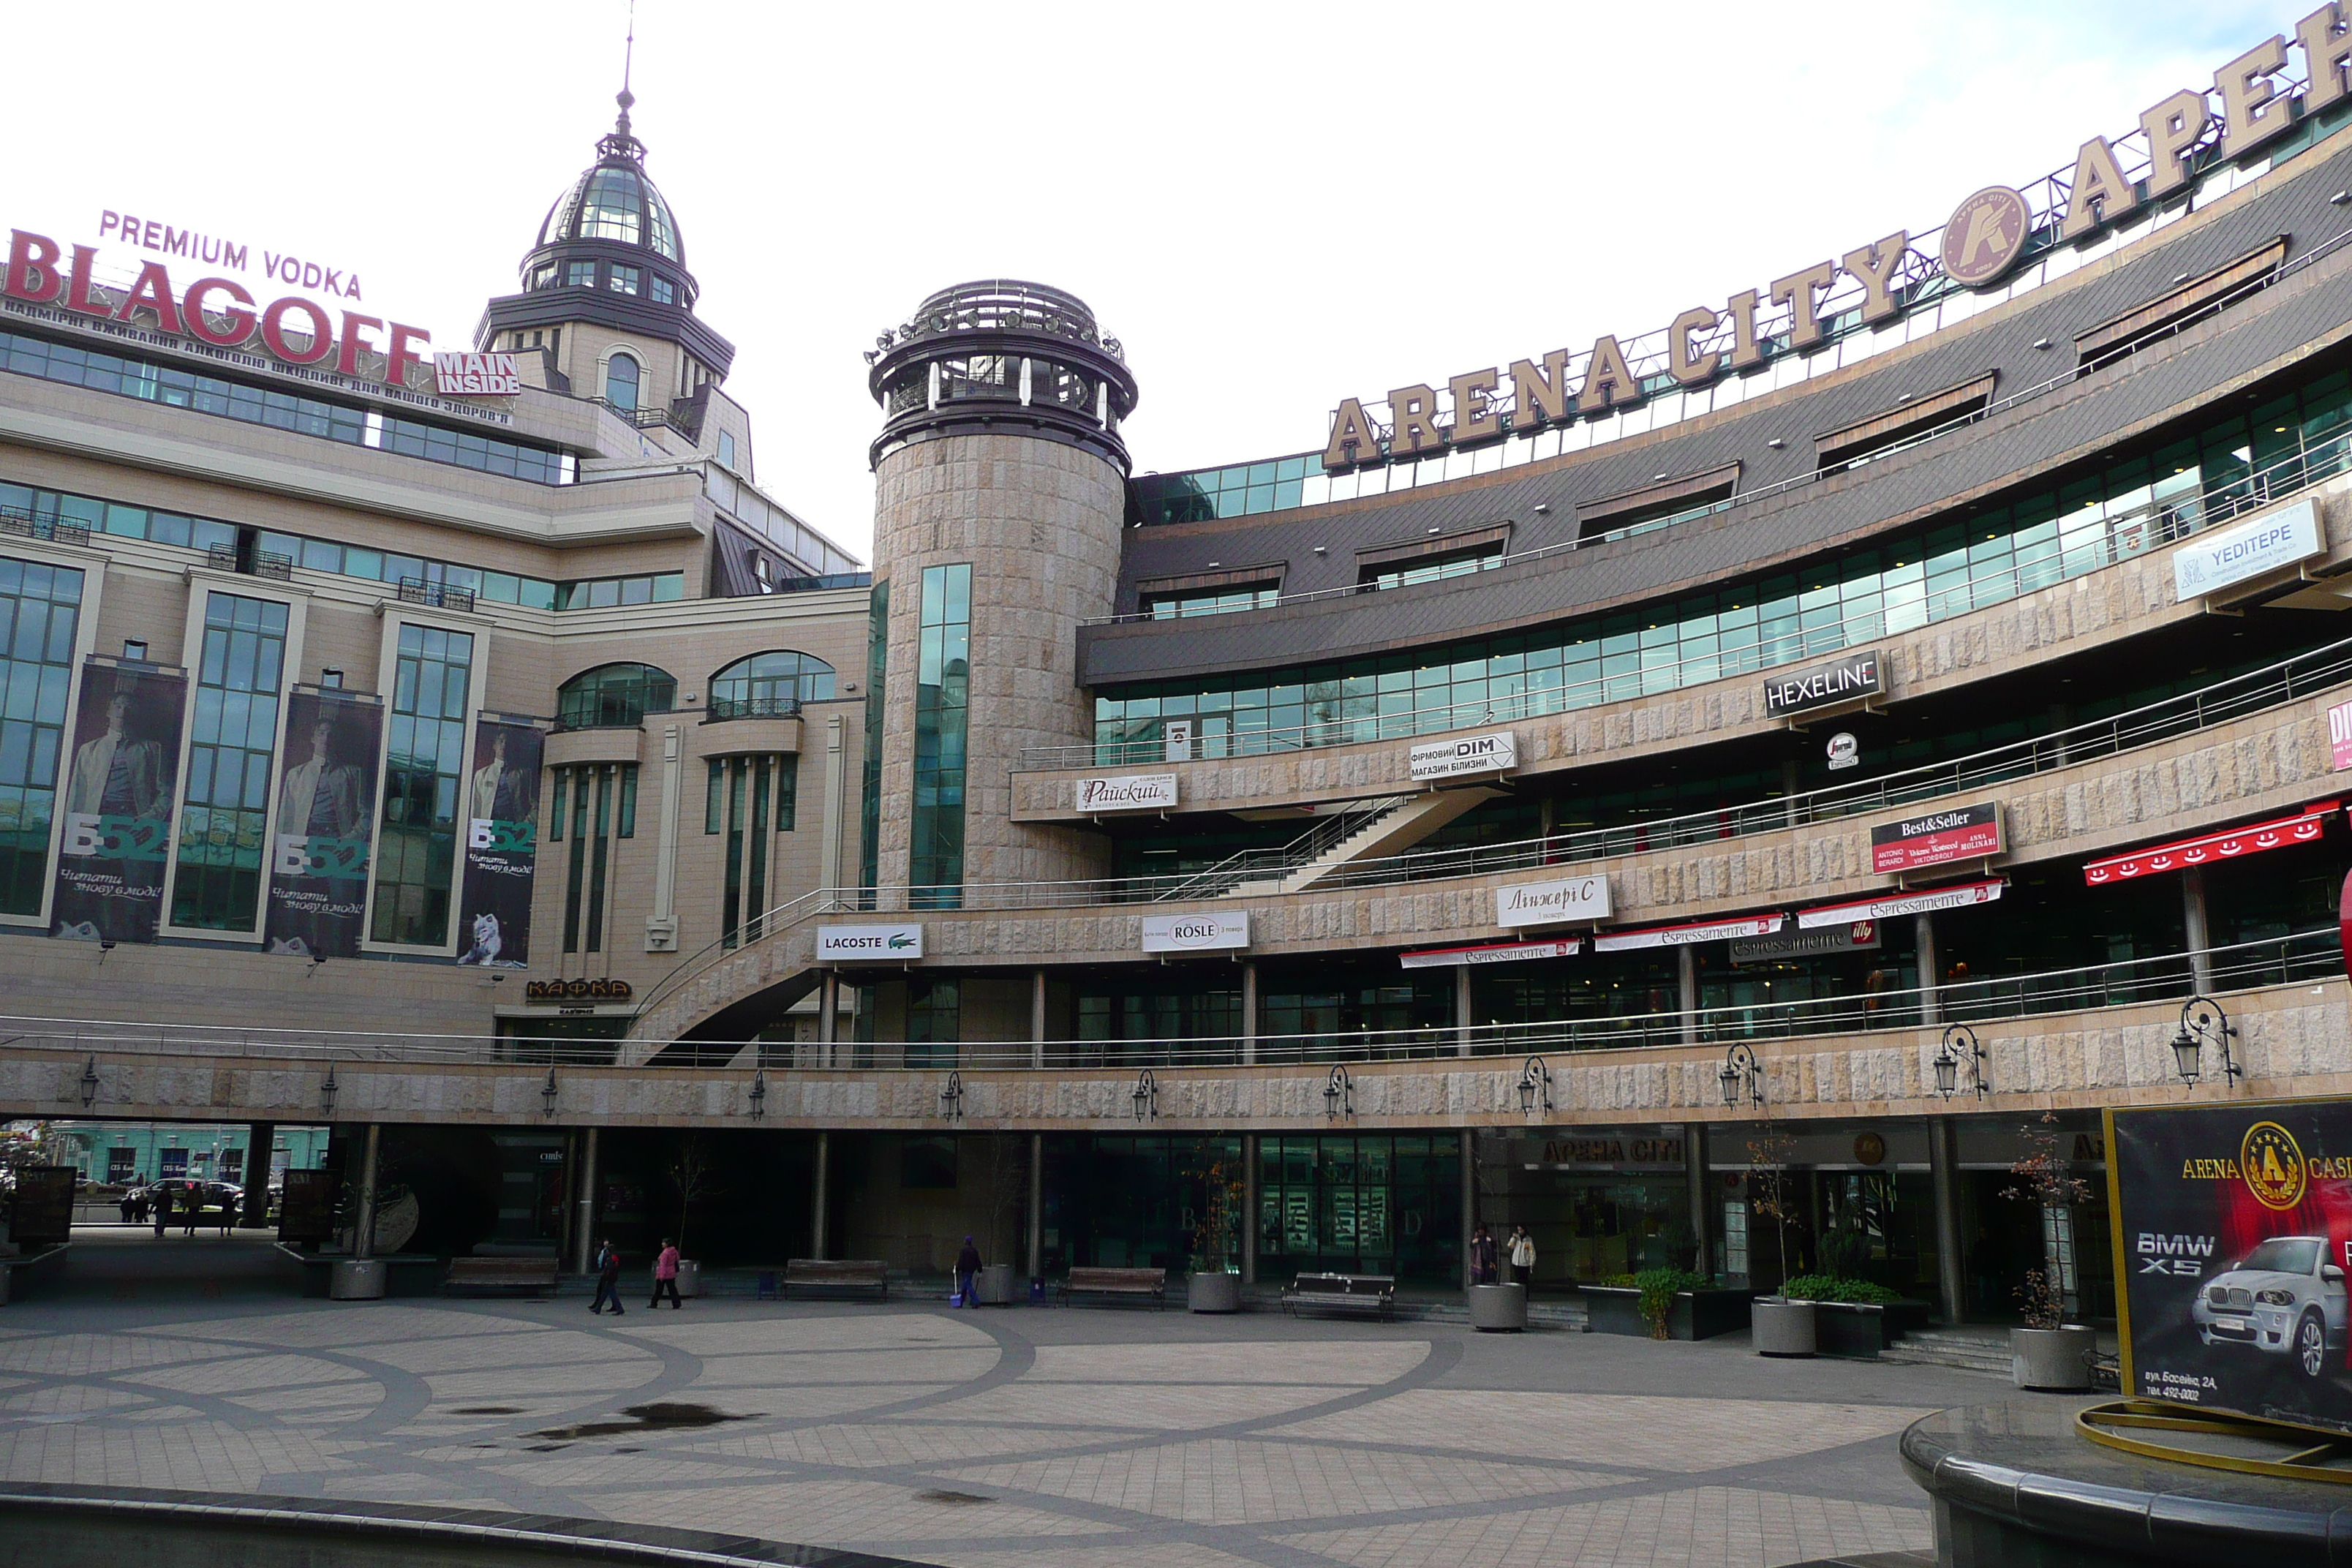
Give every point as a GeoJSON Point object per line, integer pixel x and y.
{"type": "Point", "coordinates": [614, 200]}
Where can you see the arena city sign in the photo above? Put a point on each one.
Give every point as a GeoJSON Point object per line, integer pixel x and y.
{"type": "Point", "coordinates": [2248, 104]}
{"type": "Point", "coordinates": [218, 311]}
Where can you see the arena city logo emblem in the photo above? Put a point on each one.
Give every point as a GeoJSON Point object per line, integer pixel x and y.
{"type": "Point", "coordinates": [2272, 1166]}
{"type": "Point", "coordinates": [1986, 235]}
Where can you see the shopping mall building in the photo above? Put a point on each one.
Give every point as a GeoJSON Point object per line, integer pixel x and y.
{"type": "Point", "coordinates": [1832, 732]}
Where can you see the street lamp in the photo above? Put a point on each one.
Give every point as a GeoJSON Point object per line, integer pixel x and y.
{"type": "Point", "coordinates": [952, 1097]}
{"type": "Point", "coordinates": [1339, 1094]}
{"type": "Point", "coordinates": [1146, 1096]}
{"type": "Point", "coordinates": [1960, 1045]}
{"type": "Point", "coordinates": [1534, 1082]}
{"type": "Point", "coordinates": [2201, 1019]}
{"type": "Point", "coordinates": [547, 1094]}
{"type": "Point", "coordinates": [1741, 1072]}
{"type": "Point", "coordinates": [90, 1084]}
{"type": "Point", "coordinates": [759, 1094]}
{"type": "Point", "coordinates": [327, 1090]}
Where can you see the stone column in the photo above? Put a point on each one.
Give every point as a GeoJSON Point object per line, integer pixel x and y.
{"type": "Point", "coordinates": [1037, 1018]}
{"type": "Point", "coordinates": [1249, 1207]}
{"type": "Point", "coordinates": [1469, 1197]}
{"type": "Point", "coordinates": [1702, 1196]}
{"type": "Point", "coordinates": [1249, 1012]}
{"type": "Point", "coordinates": [583, 1250]}
{"type": "Point", "coordinates": [1951, 1267]}
{"type": "Point", "coordinates": [836, 799]}
{"type": "Point", "coordinates": [363, 1233]}
{"type": "Point", "coordinates": [1931, 1010]}
{"type": "Point", "coordinates": [1036, 1205]}
{"type": "Point", "coordinates": [661, 926]}
{"type": "Point", "coordinates": [1462, 1014]}
{"type": "Point", "coordinates": [1687, 972]}
{"type": "Point", "coordinates": [2194, 926]}
{"type": "Point", "coordinates": [258, 1140]}
{"type": "Point", "coordinates": [828, 1015]}
{"type": "Point", "coordinates": [817, 1197]}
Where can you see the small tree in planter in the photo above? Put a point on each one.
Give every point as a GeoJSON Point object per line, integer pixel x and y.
{"type": "Point", "coordinates": [1782, 1326]}
{"type": "Point", "coordinates": [2045, 1351]}
{"type": "Point", "coordinates": [695, 1176]}
{"type": "Point", "coordinates": [1214, 1287]}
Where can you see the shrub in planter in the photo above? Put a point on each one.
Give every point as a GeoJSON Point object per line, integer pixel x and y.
{"type": "Point", "coordinates": [1839, 1289]}
{"type": "Point", "coordinates": [1659, 1288]}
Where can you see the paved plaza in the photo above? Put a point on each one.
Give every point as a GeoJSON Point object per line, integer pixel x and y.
{"type": "Point", "coordinates": [984, 1439]}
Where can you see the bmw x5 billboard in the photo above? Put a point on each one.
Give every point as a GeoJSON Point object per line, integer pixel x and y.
{"type": "Point", "coordinates": [2233, 1239]}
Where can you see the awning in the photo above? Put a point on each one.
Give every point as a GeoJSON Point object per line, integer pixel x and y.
{"type": "Point", "coordinates": [1895, 904]}
{"type": "Point", "coordinates": [1683, 935]}
{"type": "Point", "coordinates": [2301, 827]}
{"type": "Point", "coordinates": [1490, 952]}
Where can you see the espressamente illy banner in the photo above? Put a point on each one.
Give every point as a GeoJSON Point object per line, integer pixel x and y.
{"type": "Point", "coordinates": [2233, 1237]}
{"type": "Point", "coordinates": [117, 803]}
{"type": "Point", "coordinates": [501, 845]}
{"type": "Point", "coordinates": [326, 824]}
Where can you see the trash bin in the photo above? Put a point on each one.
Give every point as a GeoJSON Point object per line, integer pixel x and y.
{"type": "Point", "coordinates": [356, 1279]}
{"type": "Point", "coordinates": [689, 1277]}
{"type": "Point", "coordinates": [1498, 1308]}
{"type": "Point", "coordinates": [994, 1286]}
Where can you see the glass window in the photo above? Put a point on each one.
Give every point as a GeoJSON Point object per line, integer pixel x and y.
{"type": "Point", "coordinates": [727, 448]}
{"type": "Point", "coordinates": [423, 770]}
{"type": "Point", "coordinates": [770, 685]}
{"type": "Point", "coordinates": [621, 382]}
{"type": "Point", "coordinates": [40, 614]}
{"type": "Point", "coordinates": [231, 746]}
{"type": "Point", "coordinates": [580, 274]}
{"type": "Point", "coordinates": [942, 688]}
{"type": "Point", "coordinates": [663, 292]}
{"type": "Point", "coordinates": [614, 696]}
{"type": "Point", "coordinates": [625, 279]}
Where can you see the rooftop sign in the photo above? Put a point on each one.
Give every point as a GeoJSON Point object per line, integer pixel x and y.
{"type": "Point", "coordinates": [2250, 103]}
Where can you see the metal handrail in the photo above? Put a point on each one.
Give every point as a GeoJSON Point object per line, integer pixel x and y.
{"type": "Point", "coordinates": [1246, 866]}
{"type": "Point", "coordinates": [2296, 959]}
{"type": "Point", "coordinates": [2132, 533]}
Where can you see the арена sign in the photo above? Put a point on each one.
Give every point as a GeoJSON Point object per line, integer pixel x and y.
{"type": "Point", "coordinates": [2234, 1232]}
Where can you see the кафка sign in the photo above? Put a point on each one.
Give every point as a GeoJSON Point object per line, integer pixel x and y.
{"type": "Point", "coordinates": [2234, 1234]}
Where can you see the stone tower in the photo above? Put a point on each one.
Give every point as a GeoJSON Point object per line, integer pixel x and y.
{"type": "Point", "coordinates": [1000, 494]}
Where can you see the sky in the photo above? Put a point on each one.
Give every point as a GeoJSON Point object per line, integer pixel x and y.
{"type": "Point", "coordinates": [1274, 206]}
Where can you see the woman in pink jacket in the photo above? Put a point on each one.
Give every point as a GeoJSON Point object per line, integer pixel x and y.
{"type": "Point", "coordinates": [665, 1276]}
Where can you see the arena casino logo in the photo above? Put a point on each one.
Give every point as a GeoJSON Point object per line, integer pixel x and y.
{"type": "Point", "coordinates": [1986, 235]}
{"type": "Point", "coordinates": [2272, 1166]}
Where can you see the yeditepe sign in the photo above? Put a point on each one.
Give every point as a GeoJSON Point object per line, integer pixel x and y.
{"type": "Point", "coordinates": [2244, 551]}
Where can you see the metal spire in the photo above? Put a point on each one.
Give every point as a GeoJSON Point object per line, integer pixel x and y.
{"type": "Point", "coordinates": [622, 142]}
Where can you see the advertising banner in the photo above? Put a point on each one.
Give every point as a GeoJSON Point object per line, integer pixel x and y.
{"type": "Point", "coordinates": [2302, 828]}
{"type": "Point", "coordinates": [1553, 903]}
{"type": "Point", "coordinates": [117, 803]}
{"type": "Point", "coordinates": [1857, 936]}
{"type": "Point", "coordinates": [1493, 754]}
{"type": "Point", "coordinates": [41, 1213]}
{"type": "Point", "coordinates": [1195, 933]}
{"type": "Point", "coordinates": [2340, 736]}
{"type": "Point", "coordinates": [1897, 905]}
{"type": "Point", "coordinates": [2232, 1224]}
{"type": "Point", "coordinates": [2243, 552]}
{"type": "Point", "coordinates": [1687, 935]}
{"type": "Point", "coordinates": [1848, 681]}
{"type": "Point", "coordinates": [501, 845]}
{"type": "Point", "coordinates": [326, 824]}
{"type": "Point", "coordinates": [306, 1212]}
{"type": "Point", "coordinates": [1127, 792]}
{"type": "Point", "coordinates": [1964, 833]}
{"type": "Point", "coordinates": [1490, 952]}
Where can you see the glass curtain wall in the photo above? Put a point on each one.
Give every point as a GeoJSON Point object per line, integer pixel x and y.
{"type": "Point", "coordinates": [40, 613]}
{"type": "Point", "coordinates": [869, 794]}
{"type": "Point", "coordinates": [424, 762]}
{"type": "Point", "coordinates": [942, 697]}
{"type": "Point", "coordinates": [232, 748]}
{"type": "Point", "coordinates": [1988, 555]}
{"type": "Point", "coordinates": [599, 802]}
{"type": "Point", "coordinates": [1371, 1203]}
{"type": "Point", "coordinates": [748, 798]}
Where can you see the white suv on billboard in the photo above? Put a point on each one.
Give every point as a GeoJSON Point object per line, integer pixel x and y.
{"type": "Point", "coordinates": [2285, 1297]}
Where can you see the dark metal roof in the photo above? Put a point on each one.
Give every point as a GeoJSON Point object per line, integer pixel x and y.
{"type": "Point", "coordinates": [2271, 330]}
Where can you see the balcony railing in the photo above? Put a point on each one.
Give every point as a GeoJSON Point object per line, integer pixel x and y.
{"type": "Point", "coordinates": [256, 563]}
{"type": "Point", "coordinates": [440, 595]}
{"type": "Point", "coordinates": [2301, 958]}
{"type": "Point", "coordinates": [755, 707]}
{"type": "Point", "coordinates": [16, 520]}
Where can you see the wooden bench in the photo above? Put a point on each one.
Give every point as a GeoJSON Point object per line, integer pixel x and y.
{"type": "Point", "coordinates": [501, 1274]}
{"type": "Point", "coordinates": [1341, 1293]}
{"type": "Point", "coordinates": [838, 1274]}
{"type": "Point", "coordinates": [1151, 1282]}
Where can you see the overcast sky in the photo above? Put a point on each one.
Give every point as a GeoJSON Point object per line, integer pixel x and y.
{"type": "Point", "coordinates": [1274, 206]}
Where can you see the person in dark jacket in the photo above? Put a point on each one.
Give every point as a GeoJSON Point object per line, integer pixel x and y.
{"type": "Point", "coordinates": [1483, 1270]}
{"type": "Point", "coordinates": [608, 1279]}
{"type": "Point", "coordinates": [967, 1273]}
{"type": "Point", "coordinates": [159, 1200]}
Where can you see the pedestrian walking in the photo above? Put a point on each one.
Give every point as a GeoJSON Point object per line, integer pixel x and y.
{"type": "Point", "coordinates": [159, 1201]}
{"type": "Point", "coordinates": [665, 1276]}
{"type": "Point", "coordinates": [608, 1279]}
{"type": "Point", "coordinates": [1523, 1257]}
{"type": "Point", "coordinates": [192, 1207]}
{"type": "Point", "coordinates": [966, 1275]}
{"type": "Point", "coordinates": [1483, 1270]}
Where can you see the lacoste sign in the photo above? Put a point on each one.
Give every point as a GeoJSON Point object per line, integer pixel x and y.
{"type": "Point", "coordinates": [853, 943]}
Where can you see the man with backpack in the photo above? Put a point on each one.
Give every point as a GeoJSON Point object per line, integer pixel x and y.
{"type": "Point", "coordinates": [608, 1279]}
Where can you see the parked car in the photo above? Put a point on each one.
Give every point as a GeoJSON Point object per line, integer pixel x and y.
{"type": "Point", "coordinates": [2283, 1298]}
{"type": "Point", "coordinates": [210, 1195]}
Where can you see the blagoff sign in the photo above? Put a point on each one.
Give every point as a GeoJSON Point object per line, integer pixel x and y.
{"type": "Point", "coordinates": [2233, 1233]}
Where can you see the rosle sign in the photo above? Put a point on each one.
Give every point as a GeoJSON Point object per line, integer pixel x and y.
{"type": "Point", "coordinates": [1196, 933]}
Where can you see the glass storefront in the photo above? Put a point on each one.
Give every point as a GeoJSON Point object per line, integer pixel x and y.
{"type": "Point", "coordinates": [1368, 1204]}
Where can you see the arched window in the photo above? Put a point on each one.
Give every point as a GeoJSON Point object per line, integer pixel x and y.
{"type": "Point", "coordinates": [770, 685]}
{"type": "Point", "coordinates": [620, 376]}
{"type": "Point", "coordinates": [614, 696]}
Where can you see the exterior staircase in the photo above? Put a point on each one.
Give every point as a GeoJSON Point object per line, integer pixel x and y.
{"type": "Point", "coordinates": [1384, 827]}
